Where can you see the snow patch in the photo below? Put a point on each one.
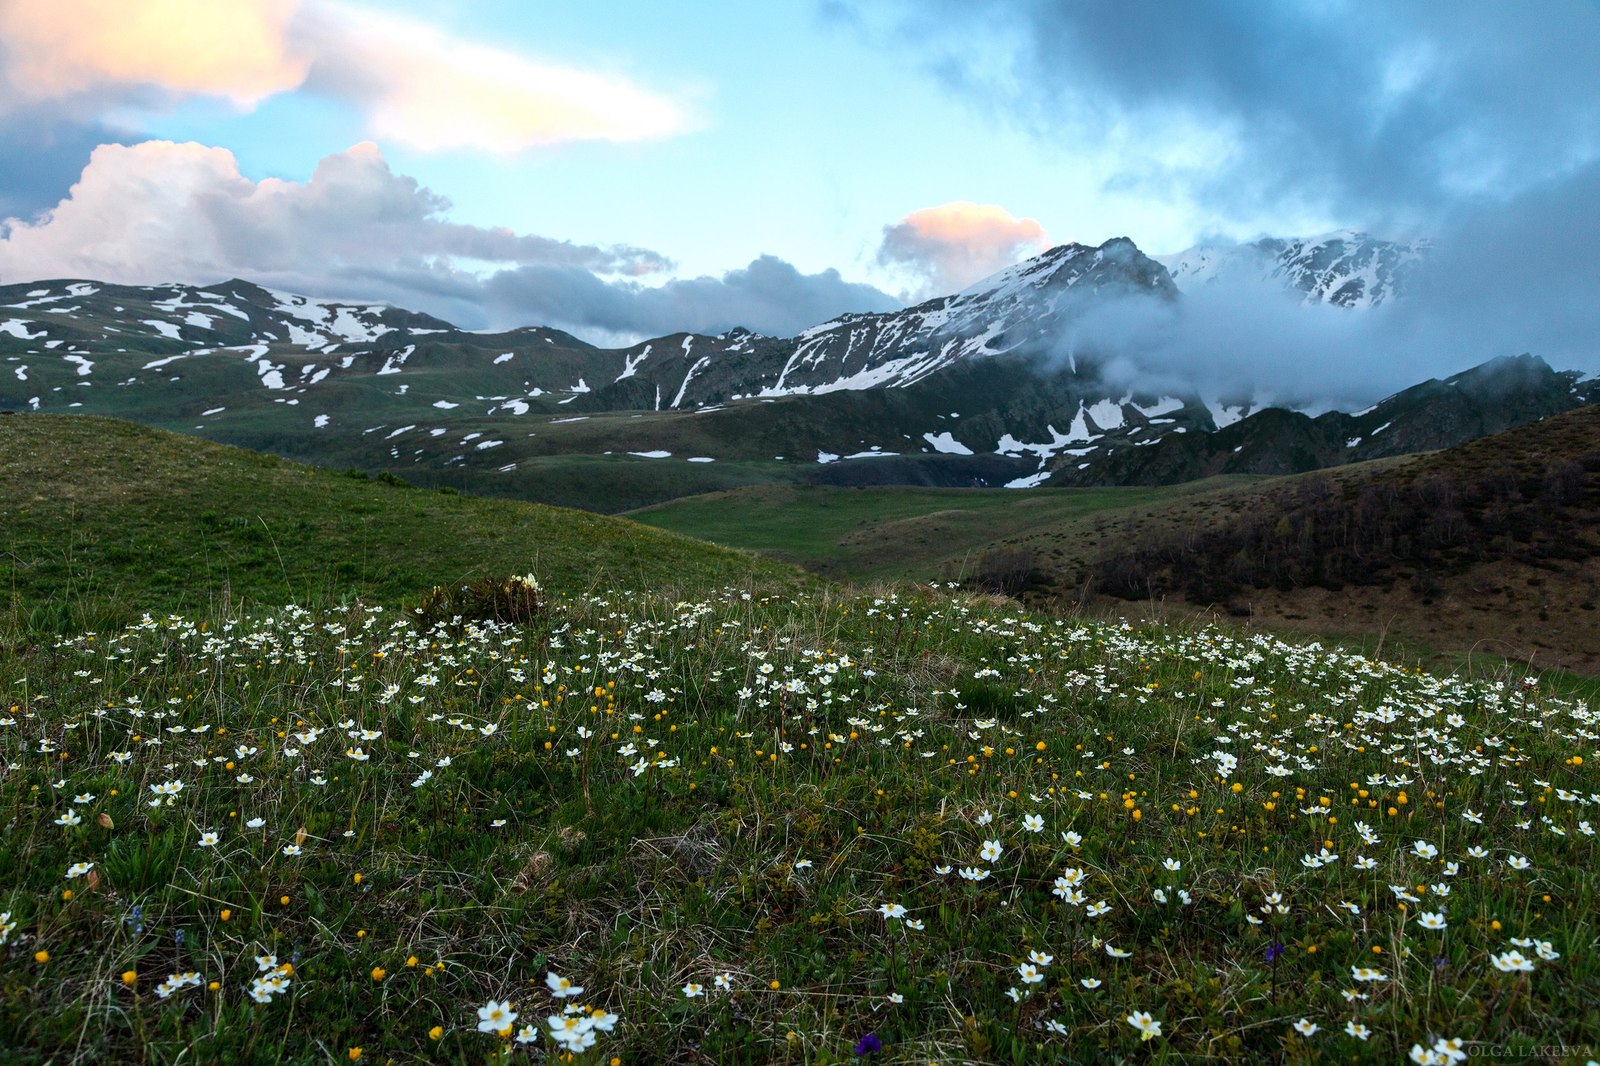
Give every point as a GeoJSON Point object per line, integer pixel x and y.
{"type": "Point", "coordinates": [945, 444]}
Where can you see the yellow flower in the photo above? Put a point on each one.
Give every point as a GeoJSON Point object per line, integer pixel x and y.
{"type": "Point", "coordinates": [354, 1053]}
{"type": "Point", "coordinates": [130, 977]}
{"type": "Point", "coordinates": [379, 973]}
{"type": "Point", "coordinates": [41, 956]}
{"type": "Point", "coordinates": [226, 914]}
{"type": "Point", "coordinates": [436, 1033]}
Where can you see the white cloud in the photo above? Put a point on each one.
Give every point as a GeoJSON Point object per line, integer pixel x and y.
{"type": "Point", "coordinates": [158, 212]}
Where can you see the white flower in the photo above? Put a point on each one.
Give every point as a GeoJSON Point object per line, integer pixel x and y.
{"type": "Point", "coordinates": [1360, 1032]}
{"type": "Point", "coordinates": [1424, 849]}
{"type": "Point", "coordinates": [1512, 962]}
{"type": "Point", "coordinates": [1029, 973]}
{"type": "Point", "coordinates": [915, 923]}
{"type": "Point", "coordinates": [802, 864]}
{"type": "Point", "coordinates": [990, 851]}
{"type": "Point", "coordinates": [209, 839]}
{"type": "Point", "coordinates": [1172, 865]}
{"type": "Point", "coordinates": [1040, 958]}
{"type": "Point", "coordinates": [1431, 919]}
{"type": "Point", "coordinates": [723, 982]}
{"type": "Point", "coordinates": [1517, 862]}
{"type": "Point", "coordinates": [1118, 953]}
{"type": "Point", "coordinates": [495, 1016]}
{"type": "Point", "coordinates": [1072, 839]}
{"type": "Point", "coordinates": [255, 823]}
{"type": "Point", "coordinates": [692, 990]}
{"type": "Point", "coordinates": [1032, 823]}
{"type": "Point", "coordinates": [1367, 973]}
{"type": "Point", "coordinates": [69, 817]}
{"type": "Point", "coordinates": [560, 987]}
{"type": "Point", "coordinates": [891, 910]}
{"type": "Point", "coordinates": [1089, 982]}
{"type": "Point", "coordinates": [1306, 1027]}
{"type": "Point", "coordinates": [78, 869]}
{"type": "Point", "coordinates": [1148, 1027]}
{"type": "Point", "coordinates": [972, 873]}
{"type": "Point", "coordinates": [291, 850]}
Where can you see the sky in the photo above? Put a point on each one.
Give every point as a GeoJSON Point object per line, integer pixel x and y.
{"type": "Point", "coordinates": [630, 168]}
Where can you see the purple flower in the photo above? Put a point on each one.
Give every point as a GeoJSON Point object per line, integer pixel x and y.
{"type": "Point", "coordinates": [868, 1044]}
{"type": "Point", "coordinates": [1274, 950]}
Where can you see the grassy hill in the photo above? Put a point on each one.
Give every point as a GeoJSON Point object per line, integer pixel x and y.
{"type": "Point", "coordinates": [1490, 546]}
{"type": "Point", "coordinates": [101, 520]}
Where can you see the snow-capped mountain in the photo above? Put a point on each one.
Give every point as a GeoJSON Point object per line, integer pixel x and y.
{"type": "Point", "coordinates": [1346, 268]}
{"type": "Point", "coordinates": [982, 387]}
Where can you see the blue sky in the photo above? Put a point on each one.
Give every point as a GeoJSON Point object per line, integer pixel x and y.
{"type": "Point", "coordinates": [610, 166]}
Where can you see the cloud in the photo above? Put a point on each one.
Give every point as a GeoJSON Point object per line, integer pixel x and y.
{"type": "Point", "coordinates": [159, 212]}
{"type": "Point", "coordinates": [769, 296]}
{"type": "Point", "coordinates": [236, 49]}
{"type": "Point", "coordinates": [1379, 113]}
{"type": "Point", "coordinates": [413, 83]}
{"type": "Point", "coordinates": [433, 92]}
{"type": "Point", "coordinates": [1501, 279]}
{"type": "Point", "coordinates": [947, 248]}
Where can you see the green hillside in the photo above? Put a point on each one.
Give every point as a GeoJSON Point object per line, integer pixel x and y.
{"type": "Point", "coordinates": [101, 520]}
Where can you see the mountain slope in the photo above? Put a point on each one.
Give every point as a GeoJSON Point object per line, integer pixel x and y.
{"type": "Point", "coordinates": [987, 387]}
{"type": "Point", "coordinates": [100, 520]}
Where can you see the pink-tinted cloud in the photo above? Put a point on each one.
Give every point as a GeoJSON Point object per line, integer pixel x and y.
{"type": "Point", "coordinates": [411, 82]}
{"type": "Point", "coordinates": [946, 248]}
{"type": "Point", "coordinates": [237, 49]}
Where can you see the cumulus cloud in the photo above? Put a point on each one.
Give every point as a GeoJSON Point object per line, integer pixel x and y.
{"type": "Point", "coordinates": [947, 248]}
{"type": "Point", "coordinates": [161, 212]}
{"type": "Point", "coordinates": [158, 212]}
{"type": "Point", "coordinates": [413, 83]}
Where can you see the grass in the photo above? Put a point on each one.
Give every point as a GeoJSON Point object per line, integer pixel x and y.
{"type": "Point", "coordinates": [903, 533]}
{"type": "Point", "coordinates": [708, 813]}
{"type": "Point", "coordinates": [103, 520]}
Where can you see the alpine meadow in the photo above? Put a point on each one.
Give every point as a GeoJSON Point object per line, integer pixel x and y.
{"type": "Point", "coordinates": [834, 531]}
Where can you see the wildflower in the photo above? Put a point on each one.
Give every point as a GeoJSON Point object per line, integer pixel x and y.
{"type": "Point", "coordinates": [1424, 850]}
{"type": "Point", "coordinates": [495, 1016]}
{"type": "Point", "coordinates": [560, 987]}
{"type": "Point", "coordinates": [1118, 953]}
{"type": "Point", "coordinates": [895, 998]}
{"type": "Point", "coordinates": [916, 924]}
{"type": "Point", "coordinates": [692, 990]}
{"type": "Point", "coordinates": [78, 869]}
{"type": "Point", "coordinates": [1090, 982]}
{"type": "Point", "coordinates": [1306, 1028]}
{"type": "Point", "coordinates": [1029, 973]}
{"type": "Point", "coordinates": [1072, 839]}
{"type": "Point", "coordinates": [1431, 920]}
{"type": "Point", "coordinates": [1367, 973]}
{"type": "Point", "coordinates": [1040, 958]}
{"type": "Point", "coordinates": [1517, 862]}
{"type": "Point", "coordinates": [868, 1044]}
{"type": "Point", "coordinates": [1033, 823]}
{"type": "Point", "coordinates": [292, 850]}
{"type": "Point", "coordinates": [1357, 1030]}
{"type": "Point", "coordinates": [973, 873]}
{"type": "Point", "coordinates": [802, 864]}
{"type": "Point", "coordinates": [990, 851]}
{"type": "Point", "coordinates": [208, 839]}
{"type": "Point", "coordinates": [1172, 865]}
{"type": "Point", "coordinates": [723, 982]}
{"type": "Point", "coordinates": [255, 823]}
{"type": "Point", "coordinates": [1512, 962]}
{"type": "Point", "coordinates": [1055, 1027]}
{"type": "Point", "coordinates": [891, 910]}
{"type": "Point", "coordinates": [1148, 1027]}
{"type": "Point", "coordinates": [69, 817]}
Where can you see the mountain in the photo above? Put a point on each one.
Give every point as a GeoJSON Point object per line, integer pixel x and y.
{"type": "Point", "coordinates": [989, 386]}
{"type": "Point", "coordinates": [1347, 268]}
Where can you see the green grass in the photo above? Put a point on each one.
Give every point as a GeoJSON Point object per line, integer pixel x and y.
{"type": "Point", "coordinates": [101, 520]}
{"type": "Point", "coordinates": [897, 532]}
{"type": "Point", "coordinates": [644, 795]}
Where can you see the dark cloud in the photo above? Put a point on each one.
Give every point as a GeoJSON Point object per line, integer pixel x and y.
{"type": "Point", "coordinates": [1500, 279]}
{"type": "Point", "coordinates": [1390, 111]}
{"type": "Point", "coordinates": [769, 296]}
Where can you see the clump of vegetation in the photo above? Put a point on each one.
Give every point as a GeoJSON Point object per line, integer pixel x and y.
{"type": "Point", "coordinates": [507, 600]}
